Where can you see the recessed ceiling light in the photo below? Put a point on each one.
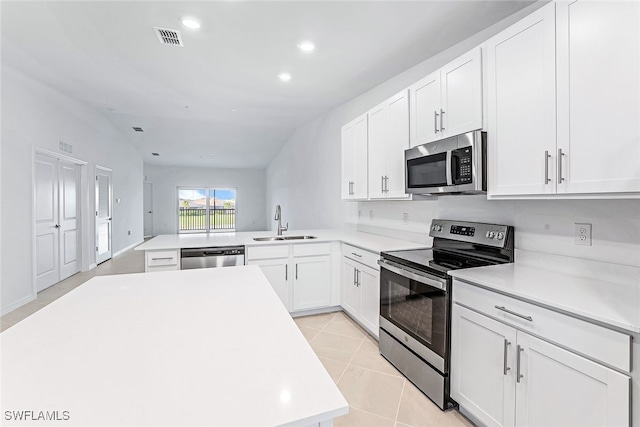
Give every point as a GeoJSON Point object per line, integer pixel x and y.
{"type": "Point", "coordinates": [190, 23]}
{"type": "Point", "coordinates": [285, 77]}
{"type": "Point", "coordinates": [306, 46]}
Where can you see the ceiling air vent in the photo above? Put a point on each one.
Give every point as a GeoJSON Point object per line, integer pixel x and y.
{"type": "Point", "coordinates": [155, 154]}
{"type": "Point", "coordinates": [167, 36]}
{"type": "Point", "coordinates": [138, 129]}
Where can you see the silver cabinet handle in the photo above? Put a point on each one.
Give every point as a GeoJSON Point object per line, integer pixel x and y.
{"type": "Point", "coordinates": [162, 259]}
{"type": "Point", "coordinates": [358, 278]}
{"type": "Point", "coordinates": [560, 154]}
{"type": "Point", "coordinates": [505, 367]}
{"type": "Point", "coordinates": [382, 183]}
{"type": "Point", "coordinates": [522, 316]}
{"type": "Point", "coordinates": [386, 184]}
{"type": "Point", "coordinates": [518, 374]}
{"type": "Point", "coordinates": [355, 277]}
{"type": "Point", "coordinates": [296, 271]}
{"type": "Point", "coordinates": [441, 120]}
{"type": "Point", "coordinates": [435, 121]}
{"type": "Point", "coordinates": [546, 167]}
{"type": "Point", "coordinates": [355, 254]}
{"type": "Point", "coordinates": [286, 272]}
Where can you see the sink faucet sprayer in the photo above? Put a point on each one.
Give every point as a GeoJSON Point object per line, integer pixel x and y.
{"type": "Point", "coordinates": [278, 218]}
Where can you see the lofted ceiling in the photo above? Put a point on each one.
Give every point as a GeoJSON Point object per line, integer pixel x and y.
{"type": "Point", "coordinates": [217, 101]}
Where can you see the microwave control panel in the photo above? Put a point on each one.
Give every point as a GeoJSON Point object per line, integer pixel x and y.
{"type": "Point", "coordinates": [465, 159]}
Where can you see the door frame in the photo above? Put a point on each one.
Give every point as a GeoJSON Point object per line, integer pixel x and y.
{"type": "Point", "coordinates": [82, 212]}
{"type": "Point", "coordinates": [95, 207]}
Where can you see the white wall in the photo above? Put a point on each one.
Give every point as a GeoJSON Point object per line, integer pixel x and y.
{"type": "Point", "coordinates": [36, 116]}
{"type": "Point", "coordinates": [305, 178]}
{"type": "Point", "coordinates": [250, 185]}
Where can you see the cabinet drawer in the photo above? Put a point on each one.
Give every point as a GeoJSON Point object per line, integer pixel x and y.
{"type": "Point", "coordinates": [267, 252]}
{"type": "Point", "coordinates": [311, 249]}
{"type": "Point", "coordinates": [365, 257]}
{"type": "Point", "coordinates": [155, 258]}
{"type": "Point", "coordinates": [593, 341]}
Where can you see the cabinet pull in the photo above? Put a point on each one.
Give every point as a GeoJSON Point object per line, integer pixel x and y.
{"type": "Point", "coordinates": [386, 184]}
{"type": "Point", "coordinates": [560, 154]}
{"type": "Point", "coordinates": [355, 254]}
{"type": "Point", "coordinates": [505, 367]}
{"type": "Point", "coordinates": [441, 120]}
{"type": "Point", "coordinates": [354, 276]}
{"type": "Point", "coordinates": [358, 278]}
{"type": "Point", "coordinates": [162, 259]}
{"type": "Point", "coordinates": [546, 167]}
{"type": "Point", "coordinates": [382, 183]}
{"type": "Point", "coordinates": [522, 316]}
{"type": "Point", "coordinates": [435, 121]}
{"type": "Point", "coordinates": [286, 272]}
{"type": "Point", "coordinates": [518, 374]}
{"type": "Point", "coordinates": [296, 271]}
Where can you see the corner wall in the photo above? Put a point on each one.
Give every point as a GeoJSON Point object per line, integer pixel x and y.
{"type": "Point", "coordinates": [250, 185]}
{"type": "Point", "coordinates": [37, 116]}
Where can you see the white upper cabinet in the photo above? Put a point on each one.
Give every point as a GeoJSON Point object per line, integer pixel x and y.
{"type": "Point", "coordinates": [449, 101]}
{"type": "Point", "coordinates": [354, 159]}
{"type": "Point", "coordinates": [522, 107]}
{"type": "Point", "coordinates": [388, 138]}
{"type": "Point", "coordinates": [599, 96]}
{"type": "Point", "coordinates": [564, 101]}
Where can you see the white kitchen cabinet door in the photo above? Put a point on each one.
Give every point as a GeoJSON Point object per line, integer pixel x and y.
{"type": "Point", "coordinates": [483, 367]}
{"type": "Point", "coordinates": [560, 388]}
{"type": "Point", "coordinates": [398, 141]}
{"type": "Point", "coordinates": [351, 300]}
{"type": "Point", "coordinates": [599, 96]}
{"type": "Point", "coordinates": [424, 111]}
{"type": "Point", "coordinates": [522, 106]}
{"type": "Point", "coordinates": [354, 159]}
{"type": "Point", "coordinates": [388, 138]}
{"type": "Point", "coordinates": [369, 285]}
{"type": "Point", "coordinates": [311, 282]}
{"type": "Point", "coordinates": [461, 109]}
{"type": "Point", "coordinates": [378, 149]}
{"type": "Point", "coordinates": [278, 275]}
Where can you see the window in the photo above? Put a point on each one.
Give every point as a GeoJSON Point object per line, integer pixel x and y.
{"type": "Point", "coordinates": [203, 210]}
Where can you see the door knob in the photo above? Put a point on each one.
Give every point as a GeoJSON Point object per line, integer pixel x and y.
{"type": "Point", "coordinates": [57, 226]}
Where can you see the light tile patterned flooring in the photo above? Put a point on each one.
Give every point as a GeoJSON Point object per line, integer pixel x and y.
{"type": "Point", "coordinates": [377, 393]}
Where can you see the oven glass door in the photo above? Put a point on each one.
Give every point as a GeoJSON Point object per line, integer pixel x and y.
{"type": "Point", "coordinates": [428, 171]}
{"type": "Point", "coordinates": [418, 309]}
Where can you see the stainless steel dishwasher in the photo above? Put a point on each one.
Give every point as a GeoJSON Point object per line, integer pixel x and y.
{"type": "Point", "coordinates": [211, 257]}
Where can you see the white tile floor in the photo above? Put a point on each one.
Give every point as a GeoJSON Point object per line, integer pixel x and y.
{"type": "Point", "coordinates": [377, 393]}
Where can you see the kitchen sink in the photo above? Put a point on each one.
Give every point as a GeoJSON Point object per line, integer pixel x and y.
{"type": "Point", "coordinates": [276, 238]}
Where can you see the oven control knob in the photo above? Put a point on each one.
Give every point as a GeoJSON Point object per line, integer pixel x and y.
{"type": "Point", "coordinates": [500, 236]}
{"type": "Point", "coordinates": [436, 227]}
{"type": "Point", "coordinates": [491, 234]}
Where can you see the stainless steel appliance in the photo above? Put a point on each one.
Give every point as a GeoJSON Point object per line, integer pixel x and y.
{"type": "Point", "coordinates": [415, 298]}
{"type": "Point", "coordinates": [451, 165]}
{"type": "Point", "coordinates": [211, 257]}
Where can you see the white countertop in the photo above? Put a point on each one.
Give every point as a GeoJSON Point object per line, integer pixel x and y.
{"type": "Point", "coordinates": [367, 241]}
{"type": "Point", "coordinates": [605, 293]}
{"type": "Point", "coordinates": [180, 348]}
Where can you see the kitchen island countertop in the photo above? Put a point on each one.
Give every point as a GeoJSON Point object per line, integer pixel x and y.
{"type": "Point", "coordinates": [180, 348]}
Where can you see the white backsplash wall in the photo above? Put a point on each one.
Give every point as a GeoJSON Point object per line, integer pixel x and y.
{"type": "Point", "coordinates": [540, 225]}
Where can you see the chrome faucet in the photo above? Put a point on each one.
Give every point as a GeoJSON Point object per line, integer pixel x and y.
{"type": "Point", "coordinates": [278, 218]}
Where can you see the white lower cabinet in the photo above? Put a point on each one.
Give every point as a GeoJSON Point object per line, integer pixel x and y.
{"type": "Point", "coordinates": [361, 287]}
{"type": "Point", "coordinates": [165, 260]}
{"type": "Point", "coordinates": [300, 274]}
{"type": "Point", "coordinates": [504, 376]}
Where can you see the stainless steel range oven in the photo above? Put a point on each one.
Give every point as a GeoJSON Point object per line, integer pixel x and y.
{"type": "Point", "coordinates": [415, 298]}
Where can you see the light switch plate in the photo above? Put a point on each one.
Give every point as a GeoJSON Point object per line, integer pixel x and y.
{"type": "Point", "coordinates": [582, 234]}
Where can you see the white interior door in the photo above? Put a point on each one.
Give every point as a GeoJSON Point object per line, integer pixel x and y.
{"type": "Point", "coordinates": [103, 214]}
{"type": "Point", "coordinates": [46, 216]}
{"type": "Point", "coordinates": [147, 204]}
{"type": "Point", "coordinates": [68, 186]}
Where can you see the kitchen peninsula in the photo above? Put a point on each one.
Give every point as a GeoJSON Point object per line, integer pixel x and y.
{"type": "Point", "coordinates": [196, 347]}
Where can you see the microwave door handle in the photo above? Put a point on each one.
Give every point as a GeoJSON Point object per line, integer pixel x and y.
{"type": "Point", "coordinates": [449, 167]}
{"type": "Point", "coordinates": [455, 169]}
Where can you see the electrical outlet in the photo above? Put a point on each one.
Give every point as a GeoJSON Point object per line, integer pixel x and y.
{"type": "Point", "coordinates": [582, 234]}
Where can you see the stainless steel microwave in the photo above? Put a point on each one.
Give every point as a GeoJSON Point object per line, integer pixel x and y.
{"type": "Point", "coordinates": [448, 166]}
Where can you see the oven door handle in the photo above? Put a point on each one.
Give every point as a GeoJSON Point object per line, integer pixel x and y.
{"type": "Point", "coordinates": [412, 274]}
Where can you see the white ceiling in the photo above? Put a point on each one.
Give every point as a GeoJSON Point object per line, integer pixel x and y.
{"type": "Point", "coordinates": [106, 54]}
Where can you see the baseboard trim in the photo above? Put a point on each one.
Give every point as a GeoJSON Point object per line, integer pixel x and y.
{"type": "Point", "coordinates": [18, 304]}
{"type": "Point", "coordinates": [121, 251]}
{"type": "Point", "coordinates": [316, 311]}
